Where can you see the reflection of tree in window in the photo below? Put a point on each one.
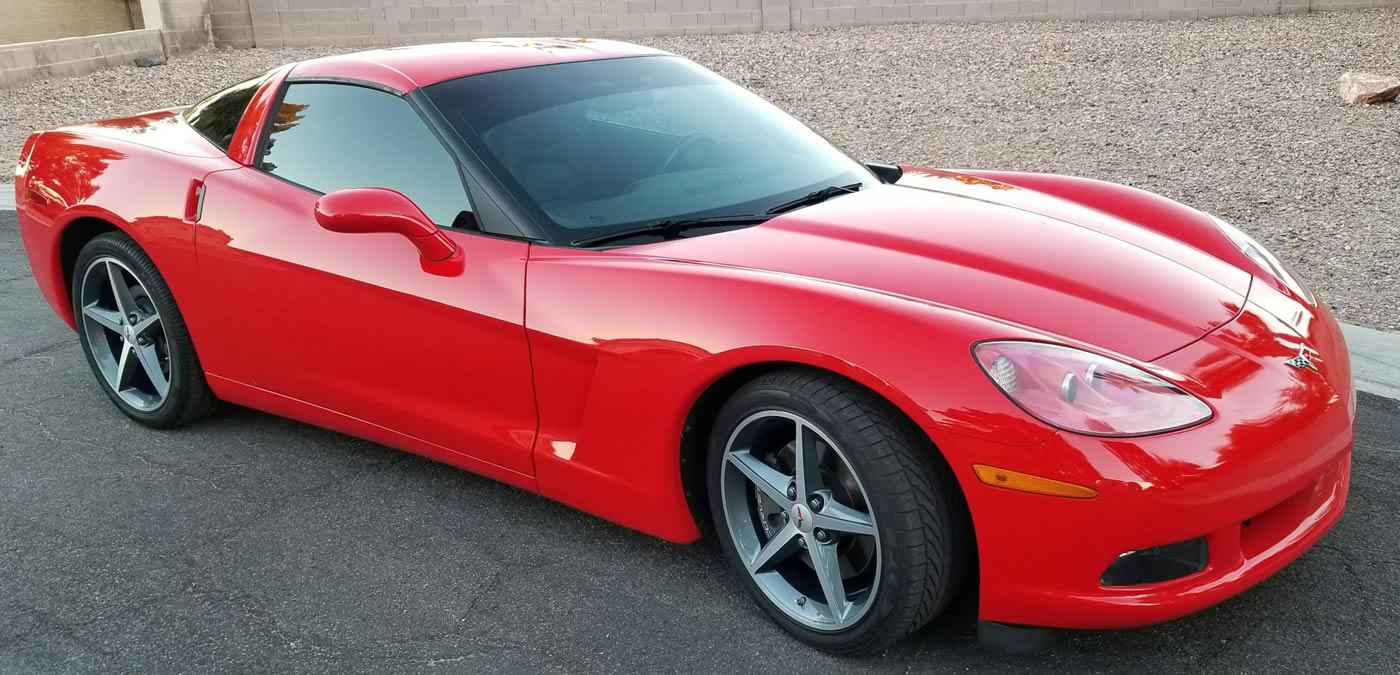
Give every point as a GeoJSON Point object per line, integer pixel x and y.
{"type": "Point", "coordinates": [217, 117]}
{"type": "Point", "coordinates": [288, 116]}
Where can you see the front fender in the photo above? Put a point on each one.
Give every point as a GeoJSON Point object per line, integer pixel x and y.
{"type": "Point", "coordinates": [623, 346]}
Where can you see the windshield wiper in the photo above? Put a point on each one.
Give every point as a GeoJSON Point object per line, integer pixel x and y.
{"type": "Point", "coordinates": [671, 228]}
{"type": "Point", "coordinates": [817, 196]}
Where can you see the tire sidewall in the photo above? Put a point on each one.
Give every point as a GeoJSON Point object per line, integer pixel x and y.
{"type": "Point", "coordinates": [891, 584]}
{"type": "Point", "coordinates": [122, 248]}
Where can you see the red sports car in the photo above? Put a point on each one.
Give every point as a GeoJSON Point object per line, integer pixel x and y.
{"type": "Point", "coordinates": [602, 273]}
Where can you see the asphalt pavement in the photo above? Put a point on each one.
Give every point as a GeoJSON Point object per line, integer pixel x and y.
{"type": "Point", "coordinates": [249, 543]}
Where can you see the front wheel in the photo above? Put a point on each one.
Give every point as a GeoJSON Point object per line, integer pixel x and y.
{"type": "Point", "coordinates": [833, 510]}
{"type": "Point", "coordinates": [134, 337]}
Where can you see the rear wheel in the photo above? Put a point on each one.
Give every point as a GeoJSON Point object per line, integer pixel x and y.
{"type": "Point", "coordinates": [833, 510]}
{"type": "Point", "coordinates": [134, 337]}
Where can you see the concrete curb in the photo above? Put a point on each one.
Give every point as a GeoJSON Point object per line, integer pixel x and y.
{"type": "Point", "coordinates": [1375, 354]}
{"type": "Point", "coordinates": [1375, 359]}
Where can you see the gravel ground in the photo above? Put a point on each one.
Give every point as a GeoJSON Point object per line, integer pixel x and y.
{"type": "Point", "coordinates": [1236, 116]}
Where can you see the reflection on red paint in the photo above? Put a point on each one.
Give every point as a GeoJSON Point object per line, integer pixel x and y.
{"type": "Point", "coordinates": [574, 373]}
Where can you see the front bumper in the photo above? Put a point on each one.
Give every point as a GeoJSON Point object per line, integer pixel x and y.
{"type": "Point", "coordinates": [1261, 482]}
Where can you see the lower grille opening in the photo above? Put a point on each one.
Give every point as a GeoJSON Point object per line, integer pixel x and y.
{"type": "Point", "coordinates": [1157, 564]}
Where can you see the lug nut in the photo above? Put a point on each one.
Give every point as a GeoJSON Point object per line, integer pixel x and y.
{"type": "Point", "coordinates": [802, 542]}
{"type": "Point", "coordinates": [815, 502]}
{"type": "Point", "coordinates": [821, 535]}
{"type": "Point", "coordinates": [133, 318]}
{"type": "Point", "coordinates": [141, 340]}
{"type": "Point", "coordinates": [792, 491]}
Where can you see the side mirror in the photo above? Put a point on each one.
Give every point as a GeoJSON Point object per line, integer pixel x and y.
{"type": "Point", "coordinates": [360, 210]}
{"type": "Point", "coordinates": [887, 173]}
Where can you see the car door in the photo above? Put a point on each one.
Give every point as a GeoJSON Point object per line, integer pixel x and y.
{"type": "Point", "coordinates": [357, 323]}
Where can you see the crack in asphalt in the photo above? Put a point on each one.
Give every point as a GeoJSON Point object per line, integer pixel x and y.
{"type": "Point", "coordinates": [254, 610]}
{"type": "Point", "coordinates": [29, 407]}
{"type": "Point", "coordinates": [485, 590]}
{"type": "Point", "coordinates": [1350, 564]}
{"type": "Point", "coordinates": [37, 352]}
{"type": "Point", "coordinates": [328, 487]}
{"type": "Point", "coordinates": [1223, 647]}
{"type": "Point", "coordinates": [159, 467]}
{"type": "Point", "coordinates": [58, 628]}
{"type": "Point", "coordinates": [70, 629]}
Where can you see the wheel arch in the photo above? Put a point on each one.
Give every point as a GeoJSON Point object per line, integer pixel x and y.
{"type": "Point", "coordinates": [172, 256]}
{"type": "Point", "coordinates": [74, 233]}
{"type": "Point", "coordinates": [74, 236]}
{"type": "Point", "coordinates": [699, 422]}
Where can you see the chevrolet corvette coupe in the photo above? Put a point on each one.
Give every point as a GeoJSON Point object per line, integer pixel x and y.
{"type": "Point", "coordinates": [602, 273]}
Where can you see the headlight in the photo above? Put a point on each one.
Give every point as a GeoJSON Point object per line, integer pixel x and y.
{"type": "Point", "coordinates": [1078, 391]}
{"type": "Point", "coordinates": [1265, 259]}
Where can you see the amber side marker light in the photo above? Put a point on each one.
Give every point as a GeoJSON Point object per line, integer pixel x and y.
{"type": "Point", "coordinates": [1024, 482]}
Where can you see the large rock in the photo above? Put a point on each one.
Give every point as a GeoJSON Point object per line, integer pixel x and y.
{"type": "Point", "coordinates": [1368, 88]}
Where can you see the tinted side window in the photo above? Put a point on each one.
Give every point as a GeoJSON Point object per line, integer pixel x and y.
{"type": "Point", "coordinates": [329, 137]}
{"type": "Point", "coordinates": [217, 117]}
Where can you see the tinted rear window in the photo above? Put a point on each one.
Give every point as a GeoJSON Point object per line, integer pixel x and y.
{"type": "Point", "coordinates": [217, 117]}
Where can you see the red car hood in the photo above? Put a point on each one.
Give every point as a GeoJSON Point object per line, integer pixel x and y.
{"type": "Point", "coordinates": [1023, 257]}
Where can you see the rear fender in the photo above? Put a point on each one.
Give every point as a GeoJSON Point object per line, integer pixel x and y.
{"type": "Point", "coordinates": [70, 176]}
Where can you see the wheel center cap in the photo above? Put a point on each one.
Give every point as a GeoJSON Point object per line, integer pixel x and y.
{"type": "Point", "coordinates": [129, 333]}
{"type": "Point", "coordinates": [801, 517]}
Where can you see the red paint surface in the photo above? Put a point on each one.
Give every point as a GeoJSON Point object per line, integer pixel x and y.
{"type": "Point", "coordinates": [383, 211]}
{"type": "Point", "coordinates": [403, 69]}
{"type": "Point", "coordinates": [571, 372]}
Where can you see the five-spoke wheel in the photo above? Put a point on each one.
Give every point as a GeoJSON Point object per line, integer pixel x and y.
{"type": "Point", "coordinates": [125, 333]}
{"type": "Point", "coordinates": [134, 336]}
{"type": "Point", "coordinates": [799, 516]}
{"type": "Point", "coordinates": [836, 511]}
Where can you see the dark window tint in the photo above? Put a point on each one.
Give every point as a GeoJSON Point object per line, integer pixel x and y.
{"type": "Point", "coordinates": [217, 117]}
{"type": "Point", "coordinates": [330, 137]}
{"type": "Point", "coordinates": [594, 146]}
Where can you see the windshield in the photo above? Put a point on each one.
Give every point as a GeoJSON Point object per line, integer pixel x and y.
{"type": "Point", "coordinates": [596, 146]}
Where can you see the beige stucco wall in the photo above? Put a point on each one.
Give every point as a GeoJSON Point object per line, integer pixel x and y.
{"type": "Point", "coordinates": [31, 20]}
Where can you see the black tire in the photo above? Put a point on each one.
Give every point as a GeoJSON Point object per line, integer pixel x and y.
{"type": "Point", "coordinates": [189, 398]}
{"type": "Point", "coordinates": [925, 549]}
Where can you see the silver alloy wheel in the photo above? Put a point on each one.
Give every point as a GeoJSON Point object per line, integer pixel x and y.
{"type": "Point", "coordinates": [800, 520]}
{"type": "Point", "coordinates": [125, 333]}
